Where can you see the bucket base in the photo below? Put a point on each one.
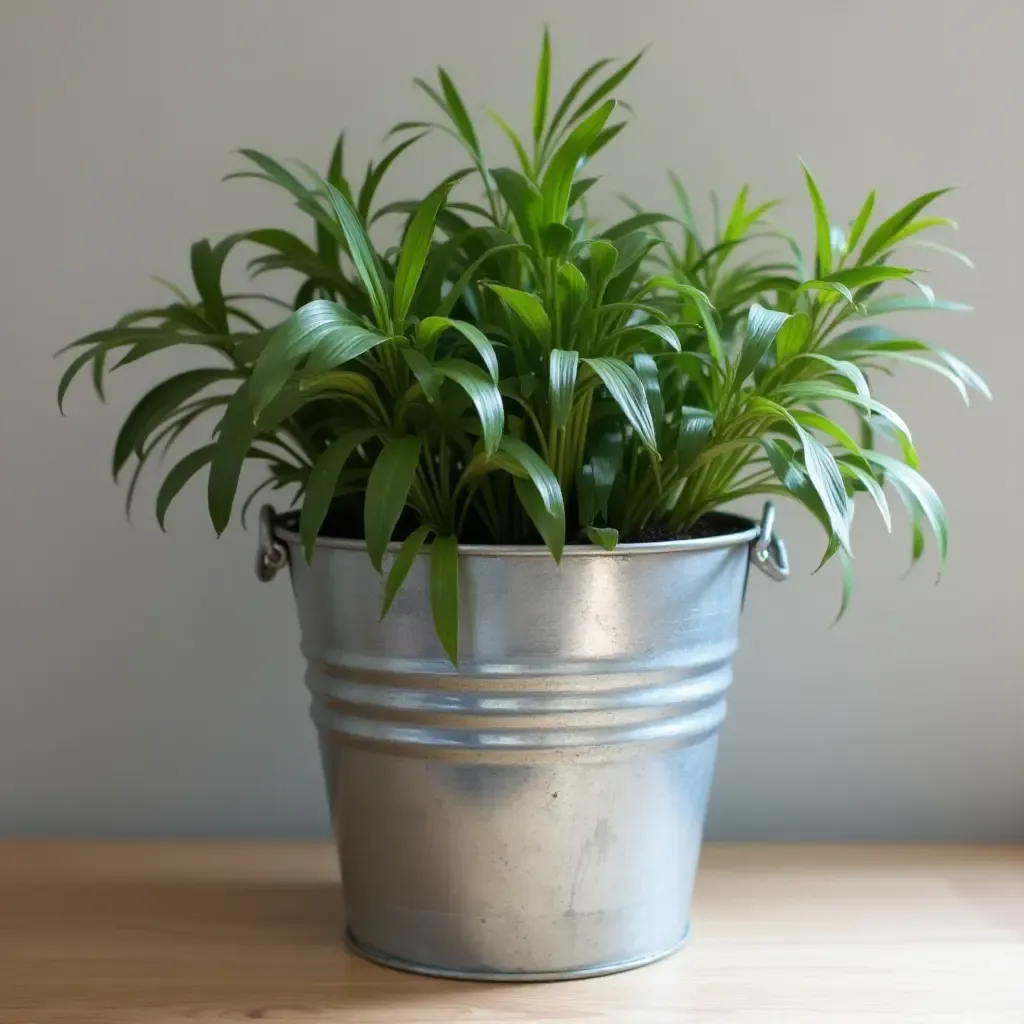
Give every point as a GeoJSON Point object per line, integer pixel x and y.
{"type": "Point", "coordinates": [369, 953]}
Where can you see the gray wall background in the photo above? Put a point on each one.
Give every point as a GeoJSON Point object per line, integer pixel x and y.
{"type": "Point", "coordinates": [149, 685]}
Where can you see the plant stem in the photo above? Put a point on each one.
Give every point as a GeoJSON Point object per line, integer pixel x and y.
{"type": "Point", "coordinates": [420, 494]}
{"type": "Point", "coordinates": [434, 488]}
{"type": "Point", "coordinates": [444, 493]}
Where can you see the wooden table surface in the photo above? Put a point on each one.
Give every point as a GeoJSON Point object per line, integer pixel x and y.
{"type": "Point", "coordinates": [156, 933]}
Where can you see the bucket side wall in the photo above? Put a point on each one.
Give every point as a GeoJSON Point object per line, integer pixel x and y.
{"type": "Point", "coordinates": [537, 812]}
{"type": "Point", "coordinates": [622, 610]}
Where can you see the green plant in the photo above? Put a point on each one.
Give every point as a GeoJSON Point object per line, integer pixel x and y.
{"type": "Point", "coordinates": [513, 370]}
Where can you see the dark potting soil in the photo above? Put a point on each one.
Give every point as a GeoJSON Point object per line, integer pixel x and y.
{"type": "Point", "coordinates": [345, 522]}
{"type": "Point", "coordinates": [711, 525]}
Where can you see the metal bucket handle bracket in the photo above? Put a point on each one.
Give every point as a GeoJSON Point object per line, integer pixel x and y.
{"type": "Point", "coordinates": [271, 555]}
{"type": "Point", "coordinates": [768, 552]}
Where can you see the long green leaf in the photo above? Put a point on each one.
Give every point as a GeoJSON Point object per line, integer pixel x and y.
{"type": "Point", "coordinates": [907, 303]}
{"type": "Point", "coordinates": [861, 277]}
{"type": "Point", "coordinates": [695, 427]}
{"type": "Point", "coordinates": [184, 470]}
{"type": "Point", "coordinates": [542, 89]}
{"type": "Point", "coordinates": [707, 316]}
{"type": "Point", "coordinates": [156, 405]}
{"type": "Point", "coordinates": [76, 365]}
{"type": "Point", "coordinates": [140, 465]}
{"type": "Point", "coordinates": [347, 384]}
{"type": "Point", "coordinates": [829, 287]}
{"type": "Point", "coordinates": [484, 394]}
{"type": "Point", "coordinates": [538, 471]}
{"type": "Point", "coordinates": [794, 479]}
{"type": "Point", "coordinates": [557, 181]}
{"type": "Point", "coordinates": [456, 290]}
{"type": "Point", "coordinates": [322, 482]}
{"type": "Point", "coordinates": [963, 371]}
{"type": "Point", "coordinates": [414, 250]}
{"type": "Point", "coordinates": [524, 202]}
{"type": "Point", "coordinates": [528, 308]}
{"type": "Point", "coordinates": [603, 138]}
{"type": "Point", "coordinates": [178, 476]}
{"type": "Point", "coordinates": [580, 187]}
{"type": "Point", "coordinates": [827, 480]}
{"type": "Point", "coordinates": [636, 223]}
{"type": "Point", "coordinates": [235, 435]}
{"type": "Point", "coordinates": [632, 249]}
{"type": "Point", "coordinates": [482, 344]}
{"type": "Point", "coordinates": [867, 480]}
{"type": "Point", "coordinates": [628, 392]}
{"type": "Point", "coordinates": [341, 346]}
{"type": "Point", "coordinates": [860, 222]}
{"type": "Point", "coordinates": [272, 171]}
{"type": "Point", "coordinates": [433, 326]}
{"type": "Point", "coordinates": [639, 336]}
{"type": "Point", "coordinates": [562, 368]}
{"type": "Point", "coordinates": [935, 367]}
{"type": "Point", "coordinates": [457, 110]}
{"type": "Point", "coordinates": [607, 454]}
{"type": "Point", "coordinates": [837, 368]}
{"type": "Point", "coordinates": [646, 368]}
{"type": "Point", "coordinates": [816, 421]}
{"type": "Point", "coordinates": [846, 566]}
{"type": "Point", "coordinates": [927, 243]}
{"type": "Point", "coordinates": [683, 198]}
{"type": "Point", "coordinates": [822, 471]}
{"type": "Point", "coordinates": [387, 491]}
{"type": "Point", "coordinates": [915, 227]}
{"type": "Point", "coordinates": [603, 536]}
{"type": "Point", "coordinates": [510, 134]}
{"type": "Point", "coordinates": [444, 593]}
{"type": "Point", "coordinates": [407, 554]}
{"type": "Point", "coordinates": [918, 493]}
{"type": "Point", "coordinates": [823, 391]}
{"type": "Point", "coordinates": [336, 165]}
{"type": "Point", "coordinates": [427, 377]}
{"type": "Point", "coordinates": [793, 335]}
{"type": "Point", "coordinates": [324, 331]}
{"type": "Point", "coordinates": [361, 250]}
{"type": "Point", "coordinates": [574, 90]}
{"type": "Point", "coordinates": [555, 240]}
{"type": "Point", "coordinates": [601, 266]}
{"type": "Point", "coordinates": [572, 293]}
{"type": "Point", "coordinates": [822, 230]}
{"type": "Point", "coordinates": [207, 263]}
{"type": "Point", "coordinates": [879, 239]}
{"type": "Point", "coordinates": [763, 325]}
{"type": "Point", "coordinates": [612, 82]}
{"type": "Point", "coordinates": [550, 526]}
{"type": "Point", "coordinates": [375, 175]}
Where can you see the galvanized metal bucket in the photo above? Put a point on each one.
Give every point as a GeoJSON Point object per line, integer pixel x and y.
{"type": "Point", "coordinates": [537, 812]}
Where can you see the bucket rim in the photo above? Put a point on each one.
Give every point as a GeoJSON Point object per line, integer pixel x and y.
{"type": "Point", "coordinates": [746, 532]}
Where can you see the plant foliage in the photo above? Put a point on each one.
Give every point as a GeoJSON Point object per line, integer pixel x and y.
{"type": "Point", "coordinates": [513, 371]}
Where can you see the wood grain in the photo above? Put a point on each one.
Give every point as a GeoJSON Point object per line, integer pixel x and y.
{"type": "Point", "coordinates": [167, 933]}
